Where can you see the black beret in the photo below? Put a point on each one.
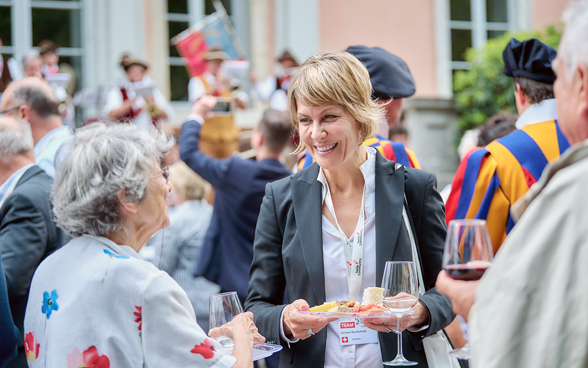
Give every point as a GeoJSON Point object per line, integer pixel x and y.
{"type": "Point", "coordinates": [389, 74]}
{"type": "Point", "coordinates": [530, 59]}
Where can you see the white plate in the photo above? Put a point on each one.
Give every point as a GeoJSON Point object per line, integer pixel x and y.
{"type": "Point", "coordinates": [347, 314]}
{"type": "Point", "coordinates": [260, 351]}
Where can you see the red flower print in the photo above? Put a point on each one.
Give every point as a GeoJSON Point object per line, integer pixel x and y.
{"type": "Point", "coordinates": [206, 349]}
{"type": "Point", "coordinates": [31, 346]}
{"type": "Point", "coordinates": [89, 358]}
{"type": "Point", "coordinates": [94, 360]}
{"type": "Point", "coordinates": [138, 315]}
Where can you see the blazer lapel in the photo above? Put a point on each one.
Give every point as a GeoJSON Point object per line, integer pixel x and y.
{"type": "Point", "coordinates": [389, 204]}
{"type": "Point", "coordinates": [306, 195]}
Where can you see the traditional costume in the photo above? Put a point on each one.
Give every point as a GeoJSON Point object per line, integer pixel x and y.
{"type": "Point", "coordinates": [219, 135]}
{"type": "Point", "coordinates": [142, 113]}
{"type": "Point", "coordinates": [489, 180]}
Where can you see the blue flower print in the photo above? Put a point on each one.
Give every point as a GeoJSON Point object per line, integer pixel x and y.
{"type": "Point", "coordinates": [109, 253]}
{"type": "Point", "coordinates": [50, 303]}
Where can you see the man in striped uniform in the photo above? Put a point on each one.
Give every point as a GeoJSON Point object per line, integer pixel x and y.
{"type": "Point", "coordinates": [391, 82]}
{"type": "Point", "coordinates": [490, 179]}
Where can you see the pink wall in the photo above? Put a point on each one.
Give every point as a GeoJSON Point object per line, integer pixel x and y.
{"type": "Point", "coordinates": [547, 12]}
{"type": "Point", "coordinates": [403, 27]}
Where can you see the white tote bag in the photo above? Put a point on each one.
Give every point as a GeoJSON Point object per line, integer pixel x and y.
{"type": "Point", "coordinates": [437, 345]}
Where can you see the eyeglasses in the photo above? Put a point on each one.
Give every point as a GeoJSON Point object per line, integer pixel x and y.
{"type": "Point", "coordinates": [10, 110]}
{"type": "Point", "coordinates": [165, 174]}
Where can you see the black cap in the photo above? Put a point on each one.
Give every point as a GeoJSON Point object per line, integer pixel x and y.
{"type": "Point", "coordinates": [530, 59]}
{"type": "Point", "coordinates": [389, 74]}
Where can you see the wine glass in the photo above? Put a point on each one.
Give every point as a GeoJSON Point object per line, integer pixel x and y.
{"type": "Point", "coordinates": [223, 308]}
{"type": "Point", "coordinates": [401, 293]}
{"type": "Point", "coordinates": [468, 253]}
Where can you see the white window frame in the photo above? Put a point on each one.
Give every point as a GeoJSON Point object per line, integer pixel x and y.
{"type": "Point", "coordinates": [22, 28]}
{"type": "Point", "coordinates": [194, 15]}
{"type": "Point", "coordinates": [479, 27]}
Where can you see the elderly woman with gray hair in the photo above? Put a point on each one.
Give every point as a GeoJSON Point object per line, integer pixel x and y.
{"type": "Point", "coordinates": [95, 302]}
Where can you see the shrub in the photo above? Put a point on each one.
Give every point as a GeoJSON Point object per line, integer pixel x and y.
{"type": "Point", "coordinates": [484, 90]}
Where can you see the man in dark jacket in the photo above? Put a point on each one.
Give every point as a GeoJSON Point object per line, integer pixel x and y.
{"type": "Point", "coordinates": [227, 251]}
{"type": "Point", "coordinates": [27, 231]}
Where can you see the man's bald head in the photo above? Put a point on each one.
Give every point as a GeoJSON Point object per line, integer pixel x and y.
{"type": "Point", "coordinates": [31, 92]}
{"type": "Point", "coordinates": [15, 138]}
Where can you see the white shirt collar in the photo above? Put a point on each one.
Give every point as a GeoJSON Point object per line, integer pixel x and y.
{"type": "Point", "coordinates": [368, 169]}
{"type": "Point", "coordinates": [538, 113]}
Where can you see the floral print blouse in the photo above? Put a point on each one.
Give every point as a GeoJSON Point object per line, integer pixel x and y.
{"type": "Point", "coordinates": [94, 303]}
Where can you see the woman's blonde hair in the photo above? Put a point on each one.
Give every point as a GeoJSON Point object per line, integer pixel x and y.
{"type": "Point", "coordinates": [187, 183]}
{"type": "Point", "coordinates": [340, 78]}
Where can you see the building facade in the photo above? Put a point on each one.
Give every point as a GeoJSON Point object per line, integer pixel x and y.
{"type": "Point", "coordinates": [430, 35]}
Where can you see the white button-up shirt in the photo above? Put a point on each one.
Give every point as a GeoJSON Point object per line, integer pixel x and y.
{"type": "Point", "coordinates": [336, 287]}
{"type": "Point", "coordinates": [47, 147]}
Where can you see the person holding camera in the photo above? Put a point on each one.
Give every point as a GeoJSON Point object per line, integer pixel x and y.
{"type": "Point", "coordinates": [219, 136]}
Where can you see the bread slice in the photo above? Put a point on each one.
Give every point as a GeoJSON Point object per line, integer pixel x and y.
{"type": "Point", "coordinates": [373, 295]}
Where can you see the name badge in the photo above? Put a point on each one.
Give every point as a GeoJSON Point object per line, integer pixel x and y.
{"type": "Point", "coordinates": [352, 332]}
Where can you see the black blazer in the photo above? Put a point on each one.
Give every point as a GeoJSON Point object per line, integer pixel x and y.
{"type": "Point", "coordinates": [27, 236]}
{"type": "Point", "coordinates": [288, 253]}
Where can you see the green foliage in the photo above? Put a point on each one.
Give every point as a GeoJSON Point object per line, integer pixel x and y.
{"type": "Point", "coordinates": [484, 90]}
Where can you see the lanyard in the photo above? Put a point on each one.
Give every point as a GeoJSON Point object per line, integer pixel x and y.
{"type": "Point", "coordinates": [353, 252]}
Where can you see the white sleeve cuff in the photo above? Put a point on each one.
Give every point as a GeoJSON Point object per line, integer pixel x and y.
{"type": "Point", "coordinates": [282, 334]}
{"type": "Point", "coordinates": [196, 118]}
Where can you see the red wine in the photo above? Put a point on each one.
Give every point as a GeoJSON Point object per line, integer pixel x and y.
{"type": "Point", "coordinates": [467, 272]}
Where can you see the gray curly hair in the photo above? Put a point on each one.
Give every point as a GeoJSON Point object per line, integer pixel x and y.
{"type": "Point", "coordinates": [100, 160]}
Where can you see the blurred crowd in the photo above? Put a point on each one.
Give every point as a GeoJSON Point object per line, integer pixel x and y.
{"type": "Point", "coordinates": [115, 232]}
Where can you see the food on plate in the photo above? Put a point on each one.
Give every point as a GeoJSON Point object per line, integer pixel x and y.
{"type": "Point", "coordinates": [344, 306]}
{"type": "Point", "coordinates": [324, 307]}
{"type": "Point", "coordinates": [373, 298]}
{"type": "Point", "coordinates": [373, 295]}
{"type": "Point", "coordinates": [369, 308]}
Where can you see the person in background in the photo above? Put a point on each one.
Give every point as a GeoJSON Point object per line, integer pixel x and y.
{"type": "Point", "coordinates": [529, 304]}
{"type": "Point", "coordinates": [33, 100]}
{"type": "Point", "coordinates": [496, 127]}
{"type": "Point", "coordinates": [27, 231]}
{"type": "Point", "coordinates": [9, 333]}
{"type": "Point", "coordinates": [177, 247]}
{"type": "Point", "coordinates": [399, 133]}
{"type": "Point", "coordinates": [219, 136]}
{"type": "Point", "coordinates": [391, 82]}
{"type": "Point", "coordinates": [274, 89]}
{"type": "Point", "coordinates": [51, 66]}
{"type": "Point", "coordinates": [240, 184]}
{"type": "Point", "coordinates": [124, 105]}
{"type": "Point", "coordinates": [9, 69]}
{"type": "Point", "coordinates": [116, 309]}
{"type": "Point", "coordinates": [492, 178]}
{"type": "Point", "coordinates": [32, 64]}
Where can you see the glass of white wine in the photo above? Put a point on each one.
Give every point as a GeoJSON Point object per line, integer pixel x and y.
{"type": "Point", "coordinates": [401, 293]}
{"type": "Point", "coordinates": [223, 308]}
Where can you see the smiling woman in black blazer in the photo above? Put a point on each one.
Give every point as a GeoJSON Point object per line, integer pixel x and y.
{"type": "Point", "coordinates": [305, 241]}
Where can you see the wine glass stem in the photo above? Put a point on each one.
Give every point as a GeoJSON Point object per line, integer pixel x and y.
{"type": "Point", "coordinates": [399, 339]}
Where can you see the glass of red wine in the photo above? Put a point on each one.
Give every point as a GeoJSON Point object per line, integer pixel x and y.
{"type": "Point", "coordinates": [467, 255]}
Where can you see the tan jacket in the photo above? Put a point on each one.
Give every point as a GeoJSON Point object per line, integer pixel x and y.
{"type": "Point", "coordinates": [531, 306]}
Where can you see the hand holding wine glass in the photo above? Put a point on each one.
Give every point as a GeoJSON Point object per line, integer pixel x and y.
{"type": "Point", "coordinates": [468, 254]}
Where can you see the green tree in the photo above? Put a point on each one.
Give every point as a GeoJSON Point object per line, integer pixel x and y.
{"type": "Point", "coordinates": [484, 90]}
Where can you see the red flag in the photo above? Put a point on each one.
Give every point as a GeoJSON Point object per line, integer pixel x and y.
{"type": "Point", "coordinates": [193, 49]}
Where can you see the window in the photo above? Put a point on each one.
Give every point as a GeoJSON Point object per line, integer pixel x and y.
{"type": "Point", "coordinates": [180, 16]}
{"type": "Point", "coordinates": [473, 22]}
{"type": "Point", "coordinates": [60, 22]}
